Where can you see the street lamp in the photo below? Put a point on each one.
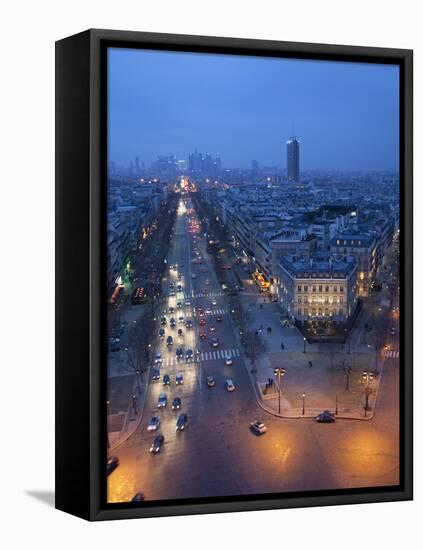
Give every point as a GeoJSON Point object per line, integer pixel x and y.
{"type": "Point", "coordinates": [304, 340]}
{"type": "Point", "coordinates": [367, 377]}
{"type": "Point", "coordinates": [279, 372]}
{"type": "Point", "coordinates": [304, 403]}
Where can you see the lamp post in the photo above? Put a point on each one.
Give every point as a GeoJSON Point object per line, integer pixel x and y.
{"type": "Point", "coordinates": [304, 341]}
{"type": "Point", "coordinates": [279, 372]}
{"type": "Point", "coordinates": [367, 377]}
{"type": "Point", "coordinates": [304, 403]}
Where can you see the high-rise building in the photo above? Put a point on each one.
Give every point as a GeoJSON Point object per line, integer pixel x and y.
{"type": "Point", "coordinates": [293, 159]}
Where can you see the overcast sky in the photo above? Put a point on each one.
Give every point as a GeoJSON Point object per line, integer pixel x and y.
{"type": "Point", "coordinates": [345, 115]}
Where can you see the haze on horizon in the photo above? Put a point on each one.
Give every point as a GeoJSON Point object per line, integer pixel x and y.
{"type": "Point", "coordinates": [345, 115]}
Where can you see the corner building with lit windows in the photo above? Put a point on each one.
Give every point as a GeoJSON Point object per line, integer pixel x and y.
{"type": "Point", "coordinates": [318, 288]}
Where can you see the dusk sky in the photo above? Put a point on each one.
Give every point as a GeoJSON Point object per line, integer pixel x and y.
{"type": "Point", "coordinates": [345, 115]}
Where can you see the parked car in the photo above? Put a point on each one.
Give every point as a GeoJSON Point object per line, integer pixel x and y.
{"type": "Point", "coordinates": [157, 444]}
{"type": "Point", "coordinates": [176, 403]}
{"type": "Point", "coordinates": [112, 464]}
{"type": "Point", "coordinates": [325, 417]}
{"type": "Point", "coordinates": [258, 427]}
{"type": "Point", "coordinates": [211, 382]}
{"type": "Point", "coordinates": [229, 385]}
{"type": "Point", "coordinates": [154, 424]}
{"type": "Point", "coordinates": [181, 422]}
{"type": "Point", "coordinates": [179, 378]}
{"type": "Point", "coordinates": [162, 401]}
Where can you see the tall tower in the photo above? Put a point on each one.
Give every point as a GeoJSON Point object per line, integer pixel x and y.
{"type": "Point", "coordinates": [293, 159]}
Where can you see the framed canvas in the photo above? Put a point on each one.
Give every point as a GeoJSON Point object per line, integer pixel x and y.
{"type": "Point", "coordinates": [233, 274]}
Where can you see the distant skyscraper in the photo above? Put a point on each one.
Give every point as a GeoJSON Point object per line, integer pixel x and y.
{"type": "Point", "coordinates": [293, 159]}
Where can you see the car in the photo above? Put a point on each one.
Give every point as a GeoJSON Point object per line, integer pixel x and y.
{"type": "Point", "coordinates": [162, 401]}
{"type": "Point", "coordinates": [193, 276]}
{"type": "Point", "coordinates": [162, 332]}
{"type": "Point", "coordinates": [163, 321]}
{"type": "Point", "coordinates": [176, 404]}
{"type": "Point", "coordinates": [214, 342]}
{"type": "Point", "coordinates": [172, 322]}
{"type": "Point", "coordinates": [179, 288]}
{"type": "Point", "coordinates": [155, 374]}
{"type": "Point", "coordinates": [392, 331]}
{"type": "Point", "coordinates": [258, 427]}
{"type": "Point", "coordinates": [166, 380]}
{"type": "Point", "coordinates": [157, 444]}
{"type": "Point", "coordinates": [229, 385]}
{"type": "Point", "coordinates": [189, 355]}
{"type": "Point", "coordinates": [211, 382]}
{"type": "Point", "coordinates": [179, 379]}
{"type": "Point", "coordinates": [171, 267]}
{"type": "Point", "coordinates": [172, 292]}
{"type": "Point", "coordinates": [180, 332]}
{"type": "Point", "coordinates": [154, 424]}
{"type": "Point", "coordinates": [325, 417]}
{"type": "Point", "coordinates": [188, 323]}
{"type": "Point", "coordinates": [179, 276]}
{"type": "Point", "coordinates": [114, 344]}
{"type": "Point", "coordinates": [212, 328]}
{"type": "Point", "coordinates": [202, 322]}
{"type": "Point", "coordinates": [169, 341]}
{"type": "Point", "coordinates": [213, 303]}
{"type": "Point", "coordinates": [228, 361]}
{"type": "Point", "coordinates": [158, 358]}
{"type": "Point", "coordinates": [187, 303]}
{"type": "Point", "coordinates": [208, 311]}
{"type": "Point", "coordinates": [138, 497]}
{"type": "Point", "coordinates": [112, 464]}
{"type": "Point", "coordinates": [207, 282]}
{"type": "Point", "coordinates": [179, 305]}
{"type": "Point", "coordinates": [171, 285]}
{"type": "Point", "coordinates": [219, 319]}
{"type": "Point", "coordinates": [203, 335]}
{"type": "Point", "coordinates": [171, 310]}
{"type": "Point", "coordinates": [181, 422]}
{"type": "Point", "coordinates": [180, 319]}
{"type": "Point", "coordinates": [206, 291]}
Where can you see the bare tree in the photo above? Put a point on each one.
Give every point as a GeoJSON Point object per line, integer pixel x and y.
{"type": "Point", "coordinates": [254, 346]}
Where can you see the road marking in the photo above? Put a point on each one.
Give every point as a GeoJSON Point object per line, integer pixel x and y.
{"type": "Point", "coordinates": [393, 354]}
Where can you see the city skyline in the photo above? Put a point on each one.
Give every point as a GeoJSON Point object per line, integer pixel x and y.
{"type": "Point", "coordinates": [345, 114]}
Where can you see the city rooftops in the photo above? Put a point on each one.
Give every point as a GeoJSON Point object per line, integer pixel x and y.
{"type": "Point", "coordinates": [319, 267]}
{"type": "Point", "coordinates": [353, 239]}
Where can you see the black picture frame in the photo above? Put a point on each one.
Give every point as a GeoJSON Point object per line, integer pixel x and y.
{"type": "Point", "coordinates": [80, 271]}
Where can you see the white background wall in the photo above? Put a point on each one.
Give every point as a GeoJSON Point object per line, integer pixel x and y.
{"type": "Point", "coordinates": [28, 32]}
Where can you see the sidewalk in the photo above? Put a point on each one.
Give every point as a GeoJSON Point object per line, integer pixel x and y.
{"type": "Point", "coordinates": [323, 383]}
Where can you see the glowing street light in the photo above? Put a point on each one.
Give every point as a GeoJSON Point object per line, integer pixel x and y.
{"type": "Point", "coordinates": [279, 372]}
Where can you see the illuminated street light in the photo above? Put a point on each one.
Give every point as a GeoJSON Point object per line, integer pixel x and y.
{"type": "Point", "coordinates": [367, 377]}
{"type": "Point", "coordinates": [304, 340]}
{"type": "Point", "coordinates": [279, 372]}
{"type": "Point", "coordinates": [304, 403]}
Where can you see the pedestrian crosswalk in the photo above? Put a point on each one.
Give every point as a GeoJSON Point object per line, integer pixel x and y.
{"type": "Point", "coordinates": [213, 312]}
{"type": "Point", "coordinates": [392, 354]}
{"type": "Point", "coordinates": [212, 355]}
